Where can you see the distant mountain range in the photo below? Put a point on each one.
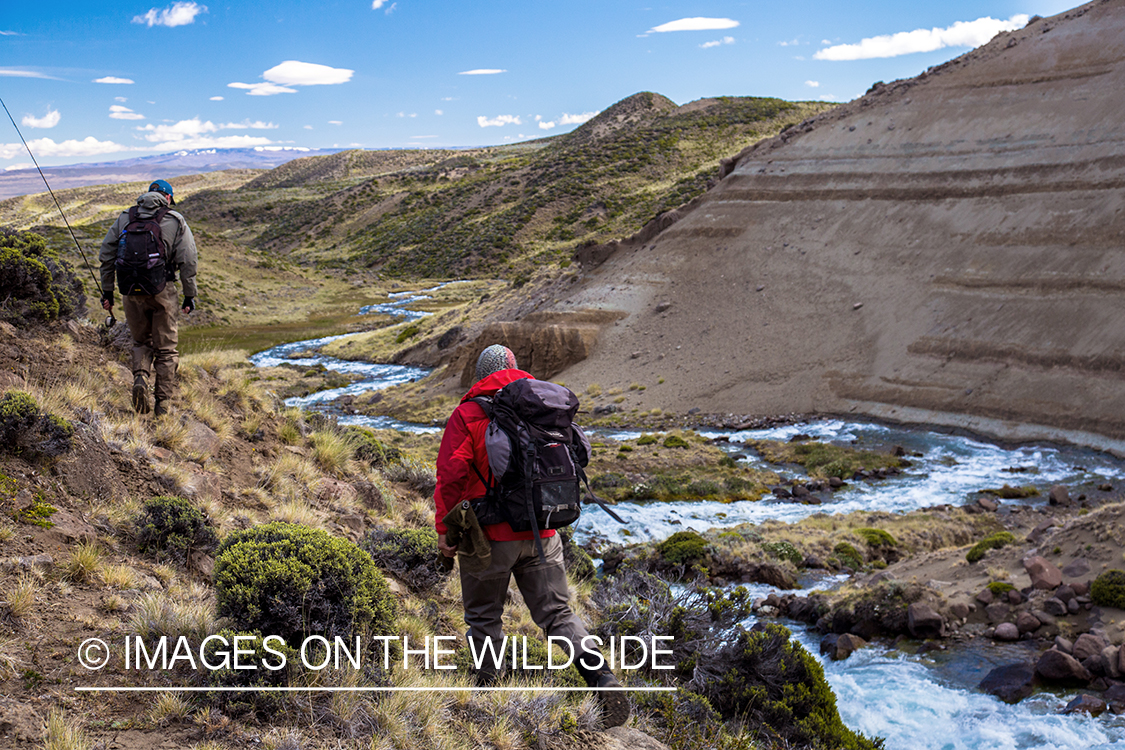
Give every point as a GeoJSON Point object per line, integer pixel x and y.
{"type": "Point", "coordinates": [194, 161]}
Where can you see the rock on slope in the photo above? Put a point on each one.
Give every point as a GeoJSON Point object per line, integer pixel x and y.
{"type": "Point", "coordinates": [949, 248]}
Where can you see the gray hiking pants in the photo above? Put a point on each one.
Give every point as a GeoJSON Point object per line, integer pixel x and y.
{"type": "Point", "coordinates": [543, 587]}
{"type": "Point", "coordinates": [152, 320]}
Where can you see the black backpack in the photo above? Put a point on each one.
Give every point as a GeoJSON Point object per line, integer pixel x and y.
{"type": "Point", "coordinates": [535, 458]}
{"type": "Point", "coordinates": [142, 259]}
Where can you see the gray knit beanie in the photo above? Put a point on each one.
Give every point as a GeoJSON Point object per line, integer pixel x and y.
{"type": "Point", "coordinates": [494, 359]}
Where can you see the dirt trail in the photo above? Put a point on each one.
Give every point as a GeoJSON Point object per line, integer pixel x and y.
{"type": "Point", "coordinates": [946, 249]}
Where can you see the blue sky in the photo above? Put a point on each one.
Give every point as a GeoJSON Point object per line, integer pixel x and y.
{"type": "Point", "coordinates": [101, 81]}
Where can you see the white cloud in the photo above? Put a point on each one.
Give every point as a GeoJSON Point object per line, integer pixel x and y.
{"type": "Point", "coordinates": [960, 34]}
{"type": "Point", "coordinates": [308, 127]}
{"type": "Point", "coordinates": [191, 131]}
{"type": "Point", "coordinates": [19, 73]}
{"type": "Point", "coordinates": [695, 24]}
{"type": "Point", "coordinates": [226, 141]}
{"type": "Point", "coordinates": [216, 98]}
{"type": "Point", "coordinates": [827, 97]}
{"type": "Point", "coordinates": [812, 84]}
{"type": "Point", "coordinates": [377, 4]}
{"type": "Point", "coordinates": [335, 122]}
{"type": "Point", "coordinates": [482, 72]}
{"type": "Point", "coordinates": [449, 98]}
{"type": "Point", "coordinates": [544, 125]}
{"type": "Point", "coordinates": [577, 119]}
{"type": "Point", "coordinates": [438, 112]}
{"type": "Point", "coordinates": [10, 33]}
{"type": "Point", "coordinates": [117, 112]}
{"type": "Point", "coordinates": [262, 89]}
{"type": "Point", "coordinates": [13, 167]}
{"type": "Point", "coordinates": [280, 77]}
{"type": "Point", "coordinates": [113, 79]}
{"type": "Point", "coordinates": [49, 120]}
{"type": "Point", "coordinates": [176, 14]}
{"type": "Point", "coordinates": [718, 42]}
{"type": "Point", "coordinates": [121, 99]}
{"type": "Point", "coordinates": [45, 147]}
{"type": "Point", "coordinates": [792, 43]}
{"type": "Point", "coordinates": [497, 122]}
{"type": "Point", "coordinates": [296, 73]}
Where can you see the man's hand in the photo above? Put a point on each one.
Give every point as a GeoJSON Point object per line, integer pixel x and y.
{"type": "Point", "coordinates": [189, 305]}
{"type": "Point", "coordinates": [446, 550]}
{"type": "Point", "coordinates": [107, 300]}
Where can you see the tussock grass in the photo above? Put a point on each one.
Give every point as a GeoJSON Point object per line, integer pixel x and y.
{"type": "Point", "coordinates": [20, 598]}
{"type": "Point", "coordinates": [64, 735]}
{"type": "Point", "coordinates": [169, 432]}
{"type": "Point", "coordinates": [296, 510]}
{"type": "Point", "coordinates": [113, 604]}
{"type": "Point", "coordinates": [10, 664]}
{"type": "Point", "coordinates": [332, 452]}
{"type": "Point", "coordinates": [169, 707]}
{"type": "Point", "coordinates": [172, 477]}
{"type": "Point", "coordinates": [159, 614]}
{"type": "Point", "coordinates": [84, 563]}
{"type": "Point", "coordinates": [420, 476]}
{"type": "Point", "coordinates": [210, 361]}
{"type": "Point", "coordinates": [7, 531]}
{"type": "Point", "coordinates": [118, 576]}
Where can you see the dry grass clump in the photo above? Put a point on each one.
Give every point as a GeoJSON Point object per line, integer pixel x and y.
{"type": "Point", "coordinates": [84, 564]}
{"type": "Point", "coordinates": [10, 664]}
{"type": "Point", "coordinates": [158, 614]}
{"type": "Point", "coordinates": [19, 600]}
{"type": "Point", "coordinates": [7, 531]}
{"type": "Point", "coordinates": [64, 735]}
{"type": "Point", "coordinates": [332, 452]}
{"type": "Point", "coordinates": [296, 510]}
{"type": "Point", "coordinates": [118, 576]}
{"type": "Point", "coordinates": [169, 707]}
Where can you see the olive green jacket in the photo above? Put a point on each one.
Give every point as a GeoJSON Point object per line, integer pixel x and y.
{"type": "Point", "coordinates": [177, 238]}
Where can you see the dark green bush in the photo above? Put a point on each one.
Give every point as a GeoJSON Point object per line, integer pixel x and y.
{"type": "Point", "coordinates": [848, 555]}
{"type": "Point", "coordinates": [993, 541]}
{"type": "Point", "coordinates": [646, 439]}
{"type": "Point", "coordinates": [370, 449]}
{"type": "Point", "coordinates": [783, 551]}
{"type": "Point", "coordinates": [411, 554]}
{"type": "Point", "coordinates": [773, 683]}
{"type": "Point", "coordinates": [579, 564]}
{"type": "Point", "coordinates": [35, 285]}
{"type": "Point", "coordinates": [1108, 589]}
{"type": "Point", "coordinates": [675, 441]}
{"type": "Point", "coordinates": [999, 588]}
{"type": "Point", "coordinates": [25, 430]}
{"type": "Point", "coordinates": [876, 538]}
{"type": "Point", "coordinates": [407, 333]}
{"type": "Point", "coordinates": [682, 548]}
{"type": "Point", "coordinates": [173, 527]}
{"type": "Point", "coordinates": [290, 580]}
{"type": "Point", "coordinates": [239, 703]}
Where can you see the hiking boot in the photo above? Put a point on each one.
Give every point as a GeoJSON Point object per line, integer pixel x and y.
{"type": "Point", "coordinates": [614, 703]}
{"type": "Point", "coordinates": [140, 396]}
{"type": "Point", "coordinates": [160, 408]}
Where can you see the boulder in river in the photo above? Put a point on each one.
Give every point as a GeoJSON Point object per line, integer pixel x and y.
{"type": "Point", "coordinates": [1007, 631]}
{"type": "Point", "coordinates": [1010, 683]}
{"type": "Point", "coordinates": [923, 622]}
{"type": "Point", "coordinates": [1054, 607]}
{"type": "Point", "coordinates": [1027, 622]}
{"type": "Point", "coordinates": [1085, 704]}
{"type": "Point", "coordinates": [1059, 495]}
{"type": "Point", "coordinates": [1056, 667]}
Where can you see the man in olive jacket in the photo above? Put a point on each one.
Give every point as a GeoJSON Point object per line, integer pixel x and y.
{"type": "Point", "coordinates": [152, 318]}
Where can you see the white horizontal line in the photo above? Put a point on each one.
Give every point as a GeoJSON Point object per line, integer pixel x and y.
{"type": "Point", "coordinates": [372, 689]}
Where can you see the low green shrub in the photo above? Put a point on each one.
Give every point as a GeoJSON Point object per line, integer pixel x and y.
{"type": "Point", "coordinates": [27, 431]}
{"type": "Point", "coordinates": [646, 439]}
{"type": "Point", "coordinates": [290, 580]}
{"type": "Point", "coordinates": [407, 333]}
{"type": "Point", "coordinates": [783, 551]}
{"type": "Point", "coordinates": [876, 538]}
{"type": "Point", "coordinates": [36, 286]}
{"type": "Point", "coordinates": [999, 588]}
{"type": "Point", "coordinates": [370, 449]}
{"type": "Point", "coordinates": [1108, 589]}
{"type": "Point", "coordinates": [411, 554]}
{"type": "Point", "coordinates": [848, 555]}
{"type": "Point", "coordinates": [173, 527]}
{"type": "Point", "coordinates": [579, 564]}
{"type": "Point", "coordinates": [682, 548]}
{"type": "Point", "coordinates": [993, 541]}
{"type": "Point", "coordinates": [675, 441]}
{"type": "Point", "coordinates": [770, 681]}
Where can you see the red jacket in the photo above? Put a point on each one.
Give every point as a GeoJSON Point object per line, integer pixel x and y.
{"type": "Point", "coordinates": [462, 445]}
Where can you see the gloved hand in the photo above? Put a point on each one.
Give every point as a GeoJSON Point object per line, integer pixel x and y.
{"type": "Point", "coordinates": [107, 300]}
{"type": "Point", "coordinates": [189, 304]}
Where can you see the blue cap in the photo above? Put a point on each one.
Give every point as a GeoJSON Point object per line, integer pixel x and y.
{"type": "Point", "coordinates": [160, 186]}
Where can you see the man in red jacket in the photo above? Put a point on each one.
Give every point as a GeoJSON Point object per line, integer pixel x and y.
{"type": "Point", "coordinates": [543, 585]}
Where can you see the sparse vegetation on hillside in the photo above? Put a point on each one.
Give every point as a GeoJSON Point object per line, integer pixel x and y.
{"type": "Point", "coordinates": [36, 286]}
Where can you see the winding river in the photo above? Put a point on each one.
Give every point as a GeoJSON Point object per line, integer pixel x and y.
{"type": "Point", "coordinates": [923, 702]}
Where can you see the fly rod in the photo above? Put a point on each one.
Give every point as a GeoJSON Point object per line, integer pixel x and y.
{"type": "Point", "coordinates": [109, 321]}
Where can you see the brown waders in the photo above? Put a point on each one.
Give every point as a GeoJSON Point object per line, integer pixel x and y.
{"type": "Point", "coordinates": [152, 321]}
{"type": "Point", "coordinates": [545, 591]}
